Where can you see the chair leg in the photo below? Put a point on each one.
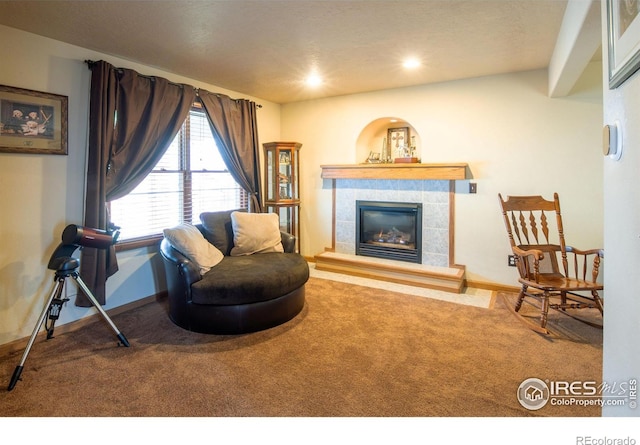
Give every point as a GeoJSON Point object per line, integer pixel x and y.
{"type": "Point", "coordinates": [598, 301]}
{"type": "Point", "coordinates": [520, 297]}
{"type": "Point", "coordinates": [563, 300]}
{"type": "Point", "coordinates": [544, 313]}
{"type": "Point", "coordinates": [531, 324]}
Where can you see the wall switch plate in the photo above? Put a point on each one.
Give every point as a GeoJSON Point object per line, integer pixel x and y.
{"type": "Point", "coordinates": [473, 187]}
{"type": "Point", "coordinates": [511, 260]}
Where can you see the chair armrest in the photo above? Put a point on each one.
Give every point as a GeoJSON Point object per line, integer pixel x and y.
{"type": "Point", "coordinates": [536, 253]}
{"type": "Point", "coordinates": [523, 264]}
{"type": "Point", "coordinates": [599, 252]}
{"type": "Point", "coordinates": [180, 271]}
{"type": "Point", "coordinates": [582, 268]}
{"type": "Point", "coordinates": [288, 242]}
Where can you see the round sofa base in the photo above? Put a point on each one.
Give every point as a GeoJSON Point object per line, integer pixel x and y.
{"type": "Point", "coordinates": [240, 318]}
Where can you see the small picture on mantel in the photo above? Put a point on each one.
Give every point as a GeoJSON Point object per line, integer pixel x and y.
{"type": "Point", "coordinates": [398, 138]}
{"type": "Point", "coordinates": [401, 145]}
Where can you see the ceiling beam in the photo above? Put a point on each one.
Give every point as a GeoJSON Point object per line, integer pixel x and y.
{"type": "Point", "coordinates": [578, 40]}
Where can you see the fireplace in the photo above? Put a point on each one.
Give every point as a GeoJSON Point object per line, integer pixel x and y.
{"type": "Point", "coordinates": [391, 230]}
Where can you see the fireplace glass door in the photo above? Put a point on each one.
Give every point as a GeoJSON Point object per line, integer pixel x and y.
{"type": "Point", "coordinates": [391, 230]}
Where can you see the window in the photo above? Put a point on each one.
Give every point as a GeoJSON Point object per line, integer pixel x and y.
{"type": "Point", "coordinates": [191, 178]}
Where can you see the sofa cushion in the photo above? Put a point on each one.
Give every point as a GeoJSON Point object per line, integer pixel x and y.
{"type": "Point", "coordinates": [190, 242]}
{"type": "Point", "coordinates": [251, 278]}
{"type": "Point", "coordinates": [255, 233]}
{"type": "Point", "coordinates": [218, 230]}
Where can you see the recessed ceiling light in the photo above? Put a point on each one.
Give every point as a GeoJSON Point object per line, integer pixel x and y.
{"type": "Point", "coordinates": [411, 63]}
{"type": "Point", "coordinates": [314, 80]}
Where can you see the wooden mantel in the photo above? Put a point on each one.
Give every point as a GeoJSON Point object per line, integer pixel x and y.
{"type": "Point", "coordinates": [395, 171]}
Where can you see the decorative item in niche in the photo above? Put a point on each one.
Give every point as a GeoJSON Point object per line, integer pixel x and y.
{"type": "Point", "coordinates": [383, 157]}
{"type": "Point", "coordinates": [398, 139]}
{"type": "Point", "coordinates": [374, 158]}
{"type": "Point", "coordinates": [623, 32]}
{"type": "Point", "coordinates": [32, 121]}
{"type": "Point", "coordinates": [401, 146]}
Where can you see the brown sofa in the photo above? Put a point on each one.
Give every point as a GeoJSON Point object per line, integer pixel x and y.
{"type": "Point", "coordinates": [241, 293]}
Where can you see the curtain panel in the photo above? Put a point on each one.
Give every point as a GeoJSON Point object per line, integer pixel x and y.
{"type": "Point", "coordinates": [132, 121]}
{"type": "Point", "coordinates": [234, 126]}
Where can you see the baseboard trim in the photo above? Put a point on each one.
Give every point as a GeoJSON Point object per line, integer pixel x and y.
{"type": "Point", "coordinates": [496, 287]}
{"type": "Point", "coordinates": [21, 344]}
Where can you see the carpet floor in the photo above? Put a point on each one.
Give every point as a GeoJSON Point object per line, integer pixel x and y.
{"type": "Point", "coordinates": [352, 351]}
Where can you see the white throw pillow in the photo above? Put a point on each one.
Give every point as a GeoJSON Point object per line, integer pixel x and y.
{"type": "Point", "coordinates": [190, 242]}
{"type": "Point", "coordinates": [255, 233]}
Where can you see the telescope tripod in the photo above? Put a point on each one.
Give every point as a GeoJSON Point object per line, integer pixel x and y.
{"type": "Point", "coordinates": [67, 267]}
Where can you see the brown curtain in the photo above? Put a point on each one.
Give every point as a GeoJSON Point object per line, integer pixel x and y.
{"type": "Point", "coordinates": [132, 121]}
{"type": "Point", "coordinates": [234, 126]}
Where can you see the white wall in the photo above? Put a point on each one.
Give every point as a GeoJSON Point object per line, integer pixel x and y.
{"type": "Point", "coordinates": [41, 194]}
{"type": "Point", "coordinates": [515, 139]}
{"type": "Point", "coordinates": [622, 236]}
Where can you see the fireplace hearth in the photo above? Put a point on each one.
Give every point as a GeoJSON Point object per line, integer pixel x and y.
{"type": "Point", "coordinates": [390, 230]}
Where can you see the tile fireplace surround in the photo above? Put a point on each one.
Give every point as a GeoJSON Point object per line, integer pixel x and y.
{"type": "Point", "coordinates": [433, 194]}
{"type": "Point", "coordinates": [430, 184]}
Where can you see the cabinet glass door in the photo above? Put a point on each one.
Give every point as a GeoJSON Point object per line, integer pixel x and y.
{"type": "Point", "coordinates": [271, 180]}
{"type": "Point", "coordinates": [294, 174]}
{"type": "Point", "coordinates": [285, 176]}
{"type": "Point", "coordinates": [288, 217]}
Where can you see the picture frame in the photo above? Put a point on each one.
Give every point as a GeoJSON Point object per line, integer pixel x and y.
{"type": "Point", "coordinates": [623, 35]}
{"type": "Point", "coordinates": [33, 122]}
{"type": "Point", "coordinates": [397, 137]}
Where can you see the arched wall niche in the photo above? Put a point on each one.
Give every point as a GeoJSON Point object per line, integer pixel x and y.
{"type": "Point", "coordinates": [372, 136]}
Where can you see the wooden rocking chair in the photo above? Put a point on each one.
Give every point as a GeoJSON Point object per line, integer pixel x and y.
{"type": "Point", "coordinates": [539, 248]}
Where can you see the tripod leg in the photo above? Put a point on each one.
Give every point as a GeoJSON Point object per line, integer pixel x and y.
{"type": "Point", "coordinates": [95, 302]}
{"type": "Point", "coordinates": [57, 291]}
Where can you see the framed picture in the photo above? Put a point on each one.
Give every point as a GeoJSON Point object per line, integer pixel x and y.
{"type": "Point", "coordinates": [398, 138]}
{"type": "Point", "coordinates": [32, 122]}
{"type": "Point", "coordinates": [623, 34]}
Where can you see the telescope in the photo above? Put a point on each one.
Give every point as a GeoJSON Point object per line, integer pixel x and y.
{"type": "Point", "coordinates": [74, 236]}
{"type": "Point", "coordinates": [66, 266]}
{"type": "Point", "coordinates": [84, 236]}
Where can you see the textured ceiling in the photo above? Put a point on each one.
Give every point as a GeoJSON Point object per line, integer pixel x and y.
{"type": "Point", "coordinates": [266, 48]}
